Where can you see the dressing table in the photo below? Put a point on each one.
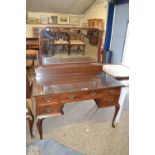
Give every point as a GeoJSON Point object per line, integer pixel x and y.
{"type": "Point", "coordinates": [60, 79]}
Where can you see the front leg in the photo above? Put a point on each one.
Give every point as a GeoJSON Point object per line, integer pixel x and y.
{"type": "Point", "coordinates": [39, 126]}
{"type": "Point", "coordinates": [117, 107]}
{"type": "Point", "coordinates": [31, 121]}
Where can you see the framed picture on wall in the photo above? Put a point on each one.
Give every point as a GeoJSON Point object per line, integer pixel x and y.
{"type": "Point", "coordinates": [53, 20]}
{"type": "Point", "coordinates": [44, 19]}
{"type": "Point", "coordinates": [63, 19]}
{"type": "Point", "coordinates": [74, 20]}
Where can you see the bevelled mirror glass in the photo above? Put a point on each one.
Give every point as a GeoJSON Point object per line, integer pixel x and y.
{"type": "Point", "coordinates": [69, 45]}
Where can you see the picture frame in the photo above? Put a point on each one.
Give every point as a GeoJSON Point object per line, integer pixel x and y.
{"type": "Point", "coordinates": [74, 20]}
{"type": "Point", "coordinates": [63, 19]}
{"type": "Point", "coordinates": [44, 19]}
{"type": "Point", "coordinates": [53, 20]}
{"type": "Point", "coordinates": [31, 20]}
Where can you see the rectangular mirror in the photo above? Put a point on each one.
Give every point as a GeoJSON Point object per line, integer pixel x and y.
{"type": "Point", "coordinates": [60, 45]}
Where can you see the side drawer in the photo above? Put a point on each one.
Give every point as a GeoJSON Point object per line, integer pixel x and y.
{"type": "Point", "coordinates": [111, 92]}
{"type": "Point", "coordinates": [54, 108]}
{"type": "Point", "coordinates": [41, 100]}
{"type": "Point", "coordinates": [110, 98]}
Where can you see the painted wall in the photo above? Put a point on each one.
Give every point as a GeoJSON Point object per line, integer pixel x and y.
{"type": "Point", "coordinates": [120, 21]}
{"type": "Point", "coordinates": [29, 27]}
{"type": "Point", "coordinates": [97, 10]}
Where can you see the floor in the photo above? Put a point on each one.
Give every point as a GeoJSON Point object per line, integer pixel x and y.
{"type": "Point", "coordinates": [87, 129]}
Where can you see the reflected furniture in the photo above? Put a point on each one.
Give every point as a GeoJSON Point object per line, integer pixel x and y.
{"type": "Point", "coordinates": [77, 43]}
{"type": "Point", "coordinates": [57, 43]}
{"type": "Point", "coordinates": [57, 84]}
{"type": "Point", "coordinates": [32, 47]}
{"type": "Point", "coordinates": [95, 23]}
{"type": "Point", "coordinates": [29, 113]}
{"type": "Point", "coordinates": [62, 43]}
{"type": "Point", "coordinates": [32, 43]}
{"type": "Point", "coordinates": [93, 36]}
{"type": "Point", "coordinates": [31, 54]}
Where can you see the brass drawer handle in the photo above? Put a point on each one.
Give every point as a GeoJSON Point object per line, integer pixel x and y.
{"type": "Point", "coordinates": [93, 94]}
{"type": "Point", "coordinates": [71, 97]}
{"type": "Point", "coordinates": [48, 100]}
{"type": "Point", "coordinates": [49, 109]}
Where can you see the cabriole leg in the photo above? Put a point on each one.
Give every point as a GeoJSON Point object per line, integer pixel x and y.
{"type": "Point", "coordinates": [31, 121]}
{"type": "Point", "coordinates": [117, 107]}
{"type": "Point", "coordinates": [39, 126]}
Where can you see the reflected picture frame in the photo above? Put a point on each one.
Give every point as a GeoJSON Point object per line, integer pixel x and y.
{"type": "Point", "coordinates": [63, 19]}
{"type": "Point", "coordinates": [74, 20]}
{"type": "Point", "coordinates": [53, 20]}
{"type": "Point", "coordinates": [43, 19]}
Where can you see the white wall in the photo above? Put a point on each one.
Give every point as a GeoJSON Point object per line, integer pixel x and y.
{"type": "Point", "coordinates": [97, 10]}
{"type": "Point", "coordinates": [120, 21]}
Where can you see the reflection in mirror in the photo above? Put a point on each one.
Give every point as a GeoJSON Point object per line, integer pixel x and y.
{"type": "Point", "coordinates": [69, 45]}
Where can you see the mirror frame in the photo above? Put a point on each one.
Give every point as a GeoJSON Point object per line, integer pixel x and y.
{"type": "Point", "coordinates": [99, 52]}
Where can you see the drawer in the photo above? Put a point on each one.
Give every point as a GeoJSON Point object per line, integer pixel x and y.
{"type": "Point", "coordinates": [110, 98]}
{"type": "Point", "coordinates": [106, 101]}
{"type": "Point", "coordinates": [112, 92]}
{"type": "Point", "coordinates": [54, 108]}
{"type": "Point", "coordinates": [46, 99]}
{"type": "Point", "coordinates": [77, 96]}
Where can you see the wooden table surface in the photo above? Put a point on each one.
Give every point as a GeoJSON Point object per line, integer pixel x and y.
{"type": "Point", "coordinates": [73, 83]}
{"type": "Point", "coordinates": [52, 92]}
{"type": "Point", "coordinates": [76, 42]}
{"type": "Point", "coordinates": [59, 42]}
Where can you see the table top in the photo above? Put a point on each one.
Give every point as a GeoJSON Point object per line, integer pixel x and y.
{"type": "Point", "coordinates": [60, 42]}
{"type": "Point", "coordinates": [76, 42]}
{"type": "Point", "coordinates": [116, 70]}
{"type": "Point", "coordinates": [73, 83]}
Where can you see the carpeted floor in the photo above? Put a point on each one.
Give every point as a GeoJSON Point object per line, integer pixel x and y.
{"type": "Point", "coordinates": [87, 129]}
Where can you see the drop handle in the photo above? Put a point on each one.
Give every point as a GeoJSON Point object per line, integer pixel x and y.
{"type": "Point", "coordinates": [47, 100]}
{"type": "Point", "coordinates": [49, 109]}
{"type": "Point", "coordinates": [71, 97]}
{"type": "Point", "coordinates": [111, 92]}
{"type": "Point", "coordinates": [93, 94]}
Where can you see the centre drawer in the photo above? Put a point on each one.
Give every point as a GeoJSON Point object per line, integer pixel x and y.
{"type": "Point", "coordinates": [77, 96]}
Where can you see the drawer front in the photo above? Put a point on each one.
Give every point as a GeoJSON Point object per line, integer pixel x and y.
{"type": "Point", "coordinates": [77, 96]}
{"type": "Point", "coordinates": [110, 98]}
{"type": "Point", "coordinates": [112, 92]}
{"type": "Point", "coordinates": [41, 100]}
{"type": "Point", "coordinates": [53, 108]}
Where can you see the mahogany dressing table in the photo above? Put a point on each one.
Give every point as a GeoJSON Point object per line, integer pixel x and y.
{"type": "Point", "coordinates": [58, 83]}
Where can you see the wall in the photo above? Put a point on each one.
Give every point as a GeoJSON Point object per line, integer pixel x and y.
{"type": "Point", "coordinates": [97, 10]}
{"type": "Point", "coordinates": [120, 21]}
{"type": "Point", "coordinates": [29, 27]}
